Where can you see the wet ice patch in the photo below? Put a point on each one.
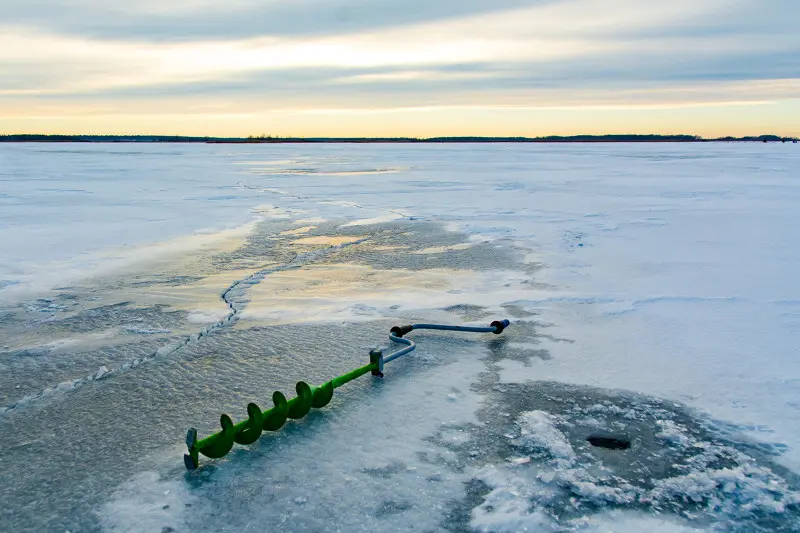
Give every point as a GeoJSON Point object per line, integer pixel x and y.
{"type": "Point", "coordinates": [327, 240]}
{"type": "Point", "coordinates": [375, 220]}
{"type": "Point", "coordinates": [148, 503]}
{"type": "Point", "coordinates": [354, 292]}
{"type": "Point", "coordinates": [444, 249]}
{"type": "Point", "coordinates": [298, 231]}
{"type": "Point", "coordinates": [146, 331]}
{"type": "Point", "coordinates": [632, 522]}
{"type": "Point", "coordinates": [71, 343]}
{"type": "Point", "coordinates": [269, 211]}
{"type": "Point", "coordinates": [206, 316]}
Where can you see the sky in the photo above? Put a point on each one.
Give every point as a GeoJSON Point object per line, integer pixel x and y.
{"type": "Point", "coordinates": [416, 68]}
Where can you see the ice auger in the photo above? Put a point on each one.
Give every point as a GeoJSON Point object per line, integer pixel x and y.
{"type": "Point", "coordinates": [249, 430]}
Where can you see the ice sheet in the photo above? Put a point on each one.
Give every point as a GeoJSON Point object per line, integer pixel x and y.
{"type": "Point", "coordinates": [665, 269]}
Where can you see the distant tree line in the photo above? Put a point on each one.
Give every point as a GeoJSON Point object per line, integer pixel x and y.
{"type": "Point", "coordinates": [27, 137]}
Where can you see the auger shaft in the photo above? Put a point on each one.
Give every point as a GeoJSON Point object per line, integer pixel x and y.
{"type": "Point", "coordinates": [353, 374]}
{"type": "Point", "coordinates": [249, 430]}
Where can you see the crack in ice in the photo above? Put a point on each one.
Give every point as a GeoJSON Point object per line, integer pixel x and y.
{"type": "Point", "coordinates": [233, 298]}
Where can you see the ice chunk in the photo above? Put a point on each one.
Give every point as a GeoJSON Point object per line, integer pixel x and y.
{"type": "Point", "coordinates": [508, 507]}
{"type": "Point", "coordinates": [672, 433]}
{"type": "Point", "coordinates": [539, 433]}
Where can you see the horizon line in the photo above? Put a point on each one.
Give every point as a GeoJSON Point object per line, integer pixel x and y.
{"type": "Point", "coordinates": [266, 139]}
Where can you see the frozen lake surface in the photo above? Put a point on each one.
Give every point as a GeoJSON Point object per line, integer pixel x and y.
{"type": "Point", "coordinates": [652, 290]}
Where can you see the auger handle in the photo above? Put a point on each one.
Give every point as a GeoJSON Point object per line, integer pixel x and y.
{"type": "Point", "coordinates": [495, 327]}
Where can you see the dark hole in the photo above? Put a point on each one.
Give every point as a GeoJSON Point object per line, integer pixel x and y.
{"type": "Point", "coordinates": [609, 442]}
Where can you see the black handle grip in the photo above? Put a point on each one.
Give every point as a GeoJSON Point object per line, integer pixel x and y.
{"type": "Point", "coordinates": [399, 331]}
{"type": "Point", "coordinates": [500, 325]}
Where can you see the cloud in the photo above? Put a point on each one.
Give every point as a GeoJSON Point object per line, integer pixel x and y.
{"type": "Point", "coordinates": [199, 56]}
{"type": "Point", "coordinates": [183, 20]}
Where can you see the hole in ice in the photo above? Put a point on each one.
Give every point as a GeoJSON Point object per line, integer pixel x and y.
{"type": "Point", "coordinates": [609, 441]}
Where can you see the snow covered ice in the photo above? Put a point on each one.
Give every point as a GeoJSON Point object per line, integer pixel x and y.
{"type": "Point", "coordinates": [652, 291]}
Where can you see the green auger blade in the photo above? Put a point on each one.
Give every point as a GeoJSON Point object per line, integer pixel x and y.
{"type": "Point", "coordinates": [275, 418]}
{"type": "Point", "coordinates": [252, 426]}
{"type": "Point", "coordinates": [218, 445]}
{"type": "Point", "coordinates": [300, 405]}
{"type": "Point", "coordinates": [322, 395]}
